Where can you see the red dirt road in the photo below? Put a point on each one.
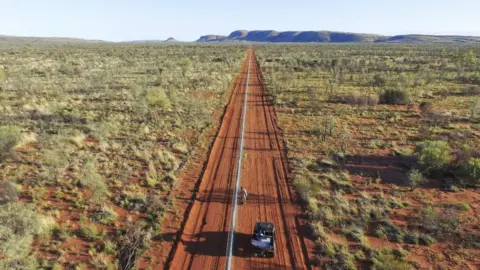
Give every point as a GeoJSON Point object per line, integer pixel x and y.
{"type": "Point", "coordinates": [203, 242]}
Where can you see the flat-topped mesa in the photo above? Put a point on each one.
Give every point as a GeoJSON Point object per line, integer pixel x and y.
{"type": "Point", "coordinates": [291, 36]}
{"type": "Point", "coordinates": [211, 38]}
{"type": "Point", "coordinates": [332, 37]}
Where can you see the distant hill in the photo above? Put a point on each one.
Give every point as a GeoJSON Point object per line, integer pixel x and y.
{"type": "Point", "coordinates": [169, 40]}
{"type": "Point", "coordinates": [267, 36]}
{"type": "Point", "coordinates": [212, 38]}
{"type": "Point", "coordinates": [333, 37]}
{"type": "Point", "coordinates": [431, 39]}
{"type": "Point", "coordinates": [44, 40]}
{"type": "Point", "coordinates": [292, 36]}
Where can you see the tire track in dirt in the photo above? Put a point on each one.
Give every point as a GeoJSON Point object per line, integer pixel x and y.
{"type": "Point", "coordinates": [294, 234]}
{"type": "Point", "coordinates": [298, 224]}
{"type": "Point", "coordinates": [212, 192]}
{"type": "Point", "coordinates": [203, 240]}
{"type": "Point", "coordinates": [209, 238]}
{"type": "Point", "coordinates": [160, 254]}
{"type": "Point", "coordinates": [266, 153]}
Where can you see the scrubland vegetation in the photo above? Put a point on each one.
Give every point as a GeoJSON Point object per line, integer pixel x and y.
{"type": "Point", "coordinates": [385, 146]}
{"type": "Point", "coordinates": [92, 139]}
{"type": "Point", "coordinates": [384, 143]}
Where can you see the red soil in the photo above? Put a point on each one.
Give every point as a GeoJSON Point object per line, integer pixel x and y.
{"type": "Point", "coordinates": [204, 236]}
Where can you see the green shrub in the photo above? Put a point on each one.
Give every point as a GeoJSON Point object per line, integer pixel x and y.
{"type": "Point", "coordinates": [93, 180]}
{"type": "Point", "coordinates": [318, 231]}
{"type": "Point", "coordinates": [379, 80]}
{"type": "Point", "coordinates": [396, 237]}
{"type": "Point", "coordinates": [88, 231]}
{"type": "Point", "coordinates": [426, 240]}
{"type": "Point", "coordinates": [446, 221]}
{"type": "Point", "coordinates": [471, 169]}
{"type": "Point", "coordinates": [357, 98]}
{"type": "Point", "coordinates": [327, 216]}
{"type": "Point", "coordinates": [55, 162]}
{"type": "Point", "coordinates": [400, 253]}
{"type": "Point", "coordinates": [360, 255]}
{"type": "Point", "coordinates": [386, 260]}
{"type": "Point", "coordinates": [462, 206]}
{"type": "Point", "coordinates": [18, 225]}
{"type": "Point", "coordinates": [415, 179]}
{"type": "Point", "coordinates": [109, 248]}
{"type": "Point", "coordinates": [395, 96]}
{"type": "Point", "coordinates": [394, 203]}
{"type": "Point", "coordinates": [391, 231]}
{"type": "Point", "coordinates": [380, 232]}
{"type": "Point", "coordinates": [411, 238]}
{"type": "Point", "coordinates": [355, 234]}
{"type": "Point", "coordinates": [325, 249]}
{"type": "Point", "coordinates": [158, 98]}
{"type": "Point", "coordinates": [344, 260]}
{"type": "Point", "coordinates": [180, 147]}
{"type": "Point", "coordinates": [8, 192]}
{"type": "Point", "coordinates": [9, 137]}
{"type": "Point", "coordinates": [167, 159]}
{"type": "Point", "coordinates": [451, 187]}
{"type": "Point", "coordinates": [433, 154]}
{"type": "Point", "coordinates": [303, 187]}
{"type": "Point", "coordinates": [104, 216]}
{"type": "Point", "coordinates": [134, 202]}
{"type": "Point", "coordinates": [156, 206]}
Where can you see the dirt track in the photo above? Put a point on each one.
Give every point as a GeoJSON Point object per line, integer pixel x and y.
{"type": "Point", "coordinates": [204, 237]}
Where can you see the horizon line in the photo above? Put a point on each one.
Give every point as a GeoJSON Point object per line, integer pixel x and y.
{"type": "Point", "coordinates": [160, 39]}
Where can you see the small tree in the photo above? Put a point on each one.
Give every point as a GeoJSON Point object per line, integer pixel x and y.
{"type": "Point", "coordinates": [19, 224]}
{"type": "Point", "coordinates": [345, 138]}
{"type": "Point", "coordinates": [466, 58]}
{"type": "Point", "coordinates": [433, 154]}
{"type": "Point", "coordinates": [8, 192]}
{"type": "Point", "coordinates": [328, 126]}
{"type": "Point", "coordinates": [475, 108]}
{"type": "Point", "coordinates": [395, 96]}
{"type": "Point", "coordinates": [303, 187]}
{"type": "Point", "coordinates": [9, 137]}
{"type": "Point", "coordinates": [185, 64]}
{"type": "Point", "coordinates": [379, 80]}
{"type": "Point", "coordinates": [331, 125]}
{"type": "Point", "coordinates": [54, 163]}
{"type": "Point", "coordinates": [131, 246]}
{"type": "Point", "coordinates": [415, 179]}
{"type": "Point", "coordinates": [94, 181]}
{"type": "Point", "coordinates": [312, 93]}
{"type": "Point", "coordinates": [472, 170]}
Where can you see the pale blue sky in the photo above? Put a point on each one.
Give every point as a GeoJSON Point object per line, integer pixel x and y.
{"type": "Point", "coordinates": [119, 20]}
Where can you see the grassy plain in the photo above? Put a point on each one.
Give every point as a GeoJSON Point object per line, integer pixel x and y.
{"type": "Point", "coordinates": [92, 140]}
{"type": "Point", "coordinates": [384, 143]}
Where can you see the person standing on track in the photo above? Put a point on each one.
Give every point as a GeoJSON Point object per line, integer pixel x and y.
{"type": "Point", "coordinates": [243, 194]}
